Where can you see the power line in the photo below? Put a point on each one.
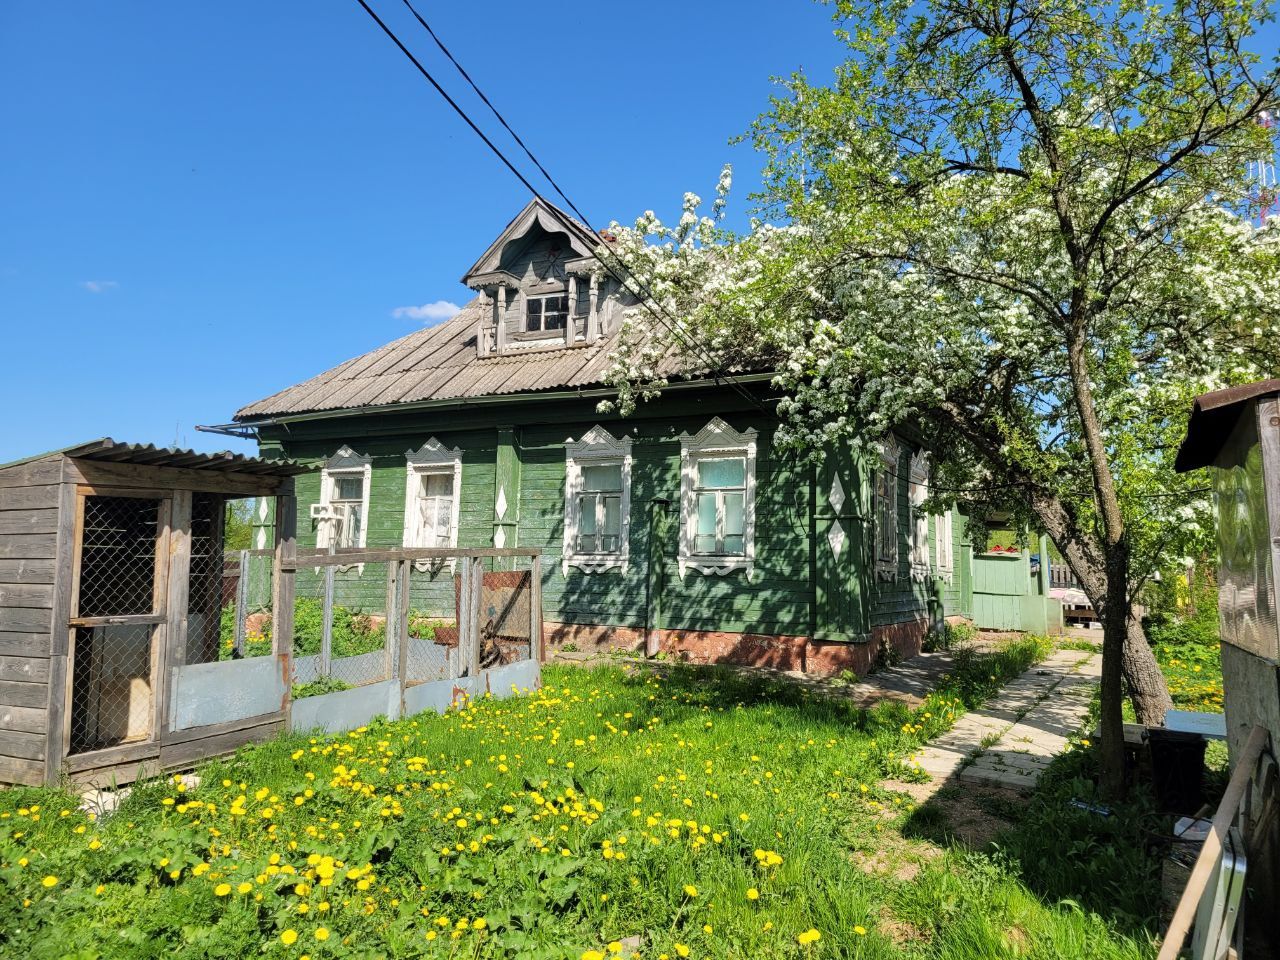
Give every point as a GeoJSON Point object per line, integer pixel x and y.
{"type": "Point", "coordinates": [645, 296]}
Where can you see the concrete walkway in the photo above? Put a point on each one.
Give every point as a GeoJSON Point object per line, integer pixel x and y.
{"type": "Point", "coordinates": [1010, 741]}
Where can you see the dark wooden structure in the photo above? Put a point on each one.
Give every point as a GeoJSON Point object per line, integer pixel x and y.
{"type": "Point", "coordinates": [110, 588]}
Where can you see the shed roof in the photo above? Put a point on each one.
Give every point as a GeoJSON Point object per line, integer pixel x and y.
{"type": "Point", "coordinates": [1212, 417]}
{"type": "Point", "coordinates": [223, 461]}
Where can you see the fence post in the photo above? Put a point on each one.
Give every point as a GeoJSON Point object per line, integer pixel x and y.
{"type": "Point", "coordinates": [464, 620]}
{"type": "Point", "coordinates": [405, 570]}
{"type": "Point", "coordinates": [242, 603]}
{"type": "Point", "coordinates": [390, 630]}
{"type": "Point", "coordinates": [282, 585]}
{"type": "Point", "coordinates": [326, 620]}
{"type": "Point", "coordinates": [536, 653]}
{"type": "Point", "coordinates": [477, 584]}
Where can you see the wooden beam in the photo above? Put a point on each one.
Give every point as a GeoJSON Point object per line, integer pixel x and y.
{"type": "Point", "coordinates": [102, 474]}
{"type": "Point", "coordinates": [282, 588]}
{"type": "Point", "coordinates": [171, 640]}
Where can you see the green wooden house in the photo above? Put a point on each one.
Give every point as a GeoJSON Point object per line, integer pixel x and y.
{"type": "Point", "coordinates": [680, 528]}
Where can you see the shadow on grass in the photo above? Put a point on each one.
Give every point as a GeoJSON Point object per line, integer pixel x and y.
{"type": "Point", "coordinates": [1066, 844]}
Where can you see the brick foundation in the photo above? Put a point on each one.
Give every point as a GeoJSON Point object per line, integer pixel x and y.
{"type": "Point", "coordinates": [795, 653]}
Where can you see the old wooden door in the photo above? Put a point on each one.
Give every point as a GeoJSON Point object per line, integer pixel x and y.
{"type": "Point", "coordinates": [842, 549]}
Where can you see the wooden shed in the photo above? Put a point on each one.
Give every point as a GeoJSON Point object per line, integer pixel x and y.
{"type": "Point", "coordinates": [110, 602]}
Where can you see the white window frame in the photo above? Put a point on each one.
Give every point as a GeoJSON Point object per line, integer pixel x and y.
{"type": "Point", "coordinates": [597, 448]}
{"type": "Point", "coordinates": [885, 500]}
{"type": "Point", "coordinates": [716, 441]}
{"type": "Point", "coordinates": [433, 458]}
{"type": "Point", "coordinates": [343, 464]}
{"type": "Point", "coordinates": [943, 531]}
{"type": "Point", "coordinates": [918, 493]}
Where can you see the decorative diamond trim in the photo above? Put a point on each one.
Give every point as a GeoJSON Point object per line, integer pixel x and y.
{"type": "Point", "coordinates": [836, 497]}
{"type": "Point", "coordinates": [500, 538]}
{"type": "Point", "coordinates": [500, 505]}
{"type": "Point", "coordinates": [836, 538]}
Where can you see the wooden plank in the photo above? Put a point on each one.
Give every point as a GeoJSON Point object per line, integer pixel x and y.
{"type": "Point", "coordinates": [30, 546]}
{"type": "Point", "coordinates": [23, 719]}
{"type": "Point", "coordinates": [346, 558]}
{"type": "Point", "coordinates": [24, 669]}
{"type": "Point", "coordinates": [174, 737]}
{"type": "Point", "coordinates": [33, 473]}
{"type": "Point", "coordinates": [24, 645]}
{"type": "Point", "coordinates": [185, 754]}
{"type": "Point", "coordinates": [20, 620]}
{"type": "Point", "coordinates": [283, 584]}
{"type": "Point", "coordinates": [32, 595]}
{"type": "Point", "coordinates": [126, 753]}
{"type": "Point", "coordinates": [171, 646]}
{"type": "Point", "coordinates": [103, 474]}
{"type": "Point", "coordinates": [28, 773]}
{"type": "Point", "coordinates": [27, 570]}
{"type": "Point", "coordinates": [29, 498]}
{"type": "Point", "coordinates": [16, 693]}
{"type": "Point", "coordinates": [28, 746]}
{"type": "Point", "coordinates": [28, 521]}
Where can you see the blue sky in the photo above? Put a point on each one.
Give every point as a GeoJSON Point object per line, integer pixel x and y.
{"type": "Point", "coordinates": [202, 204]}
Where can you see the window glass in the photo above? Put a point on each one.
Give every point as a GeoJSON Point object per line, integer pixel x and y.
{"type": "Point", "coordinates": [612, 524]}
{"type": "Point", "coordinates": [604, 477]}
{"type": "Point", "coordinates": [705, 532]}
{"type": "Point", "coordinates": [734, 515]}
{"type": "Point", "coordinates": [350, 488]}
{"type": "Point", "coordinates": [722, 473]}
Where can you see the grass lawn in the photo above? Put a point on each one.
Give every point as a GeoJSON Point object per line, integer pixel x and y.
{"type": "Point", "coordinates": [611, 812]}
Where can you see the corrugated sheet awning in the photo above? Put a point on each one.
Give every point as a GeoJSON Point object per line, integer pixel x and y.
{"type": "Point", "coordinates": [223, 461]}
{"type": "Point", "coordinates": [1213, 415]}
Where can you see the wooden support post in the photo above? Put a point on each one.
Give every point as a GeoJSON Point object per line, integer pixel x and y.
{"type": "Point", "coordinates": [477, 635]}
{"type": "Point", "coordinates": [499, 316]}
{"type": "Point", "coordinates": [391, 625]}
{"type": "Point", "coordinates": [283, 572]}
{"type": "Point", "coordinates": [171, 637]}
{"type": "Point", "coordinates": [326, 619]}
{"type": "Point", "coordinates": [464, 617]}
{"type": "Point", "coordinates": [536, 652]}
{"type": "Point", "coordinates": [404, 572]}
{"type": "Point", "coordinates": [571, 312]}
{"type": "Point", "coordinates": [242, 603]}
{"type": "Point", "coordinates": [593, 326]}
{"type": "Point", "coordinates": [60, 633]}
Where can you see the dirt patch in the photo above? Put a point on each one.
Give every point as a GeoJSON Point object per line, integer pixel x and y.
{"type": "Point", "coordinates": [974, 816]}
{"type": "Point", "coordinates": [900, 931]}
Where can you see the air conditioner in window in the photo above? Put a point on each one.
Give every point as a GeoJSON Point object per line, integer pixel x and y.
{"type": "Point", "coordinates": [329, 511]}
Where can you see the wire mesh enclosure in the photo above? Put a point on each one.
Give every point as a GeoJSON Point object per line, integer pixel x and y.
{"type": "Point", "coordinates": [120, 580]}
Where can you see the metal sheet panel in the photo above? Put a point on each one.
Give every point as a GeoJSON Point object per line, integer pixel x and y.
{"type": "Point", "coordinates": [1246, 597]}
{"type": "Point", "coordinates": [437, 696]}
{"type": "Point", "coordinates": [209, 693]}
{"type": "Point", "coordinates": [346, 709]}
{"type": "Point", "coordinates": [514, 678]}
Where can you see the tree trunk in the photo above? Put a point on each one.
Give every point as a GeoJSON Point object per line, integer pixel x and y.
{"type": "Point", "coordinates": [1115, 632]}
{"type": "Point", "coordinates": [1147, 687]}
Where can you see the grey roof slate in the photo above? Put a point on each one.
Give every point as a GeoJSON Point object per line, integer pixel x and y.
{"type": "Point", "coordinates": [437, 363]}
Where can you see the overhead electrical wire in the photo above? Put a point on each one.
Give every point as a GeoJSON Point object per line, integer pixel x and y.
{"type": "Point", "coordinates": [646, 297]}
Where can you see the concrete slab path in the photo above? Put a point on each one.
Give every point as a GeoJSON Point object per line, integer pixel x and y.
{"type": "Point", "coordinates": [1016, 735]}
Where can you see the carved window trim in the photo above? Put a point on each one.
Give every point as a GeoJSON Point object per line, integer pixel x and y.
{"type": "Point", "coordinates": [344, 464]}
{"type": "Point", "coordinates": [433, 458]}
{"type": "Point", "coordinates": [717, 440]}
{"type": "Point", "coordinates": [918, 520]}
{"type": "Point", "coordinates": [596, 448]}
{"type": "Point", "coordinates": [886, 510]}
{"type": "Point", "coordinates": [944, 550]}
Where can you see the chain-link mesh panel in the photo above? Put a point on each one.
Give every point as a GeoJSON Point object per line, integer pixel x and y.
{"type": "Point", "coordinates": [433, 622]}
{"type": "Point", "coordinates": [205, 599]}
{"type": "Point", "coordinates": [118, 556]}
{"type": "Point", "coordinates": [356, 649]}
{"type": "Point", "coordinates": [111, 691]}
{"type": "Point", "coordinates": [504, 617]}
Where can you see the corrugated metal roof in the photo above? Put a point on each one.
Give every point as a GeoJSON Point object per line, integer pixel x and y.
{"type": "Point", "coordinates": [438, 363]}
{"type": "Point", "coordinates": [223, 461]}
{"type": "Point", "coordinates": [1213, 415]}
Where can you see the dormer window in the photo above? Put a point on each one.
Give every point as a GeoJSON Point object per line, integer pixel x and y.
{"type": "Point", "coordinates": [546, 314]}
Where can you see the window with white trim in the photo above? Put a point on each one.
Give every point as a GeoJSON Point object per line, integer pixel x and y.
{"type": "Point", "coordinates": [433, 480]}
{"type": "Point", "coordinates": [548, 314]}
{"type": "Point", "coordinates": [597, 507]}
{"type": "Point", "coordinates": [717, 499]}
{"type": "Point", "coordinates": [886, 510]}
{"type": "Point", "coordinates": [943, 532]}
{"type": "Point", "coordinates": [341, 516]}
{"type": "Point", "coordinates": [918, 493]}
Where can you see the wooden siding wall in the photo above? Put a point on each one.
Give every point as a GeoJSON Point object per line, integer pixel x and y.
{"type": "Point", "coordinates": [29, 514]}
{"type": "Point", "coordinates": [777, 600]}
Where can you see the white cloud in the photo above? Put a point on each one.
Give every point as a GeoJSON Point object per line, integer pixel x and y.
{"type": "Point", "coordinates": [428, 312]}
{"type": "Point", "coordinates": [99, 286]}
